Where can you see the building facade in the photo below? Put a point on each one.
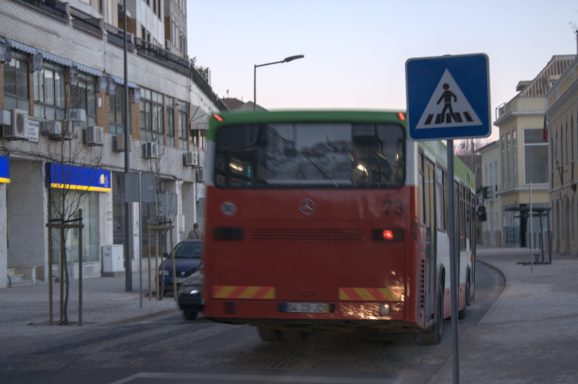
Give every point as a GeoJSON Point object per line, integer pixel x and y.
{"type": "Point", "coordinates": [63, 132]}
{"type": "Point", "coordinates": [524, 163]}
{"type": "Point", "coordinates": [562, 129]}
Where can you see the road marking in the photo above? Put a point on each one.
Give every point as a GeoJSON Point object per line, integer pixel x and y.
{"type": "Point", "coordinates": [254, 378]}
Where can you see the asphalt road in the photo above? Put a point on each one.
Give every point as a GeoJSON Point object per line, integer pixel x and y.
{"type": "Point", "coordinates": [167, 349]}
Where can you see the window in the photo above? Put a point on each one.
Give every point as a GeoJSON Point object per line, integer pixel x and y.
{"type": "Point", "coordinates": [146, 133]}
{"type": "Point", "coordinates": [536, 157]}
{"type": "Point", "coordinates": [158, 117]}
{"type": "Point", "coordinates": [441, 198]}
{"type": "Point", "coordinates": [152, 128]}
{"type": "Point", "coordinates": [183, 122]}
{"type": "Point", "coordinates": [83, 96]}
{"type": "Point", "coordinates": [514, 162]}
{"type": "Point", "coordinates": [49, 92]}
{"type": "Point", "coordinates": [170, 103]}
{"type": "Point", "coordinates": [115, 110]}
{"type": "Point", "coordinates": [293, 155]}
{"type": "Point", "coordinates": [16, 83]}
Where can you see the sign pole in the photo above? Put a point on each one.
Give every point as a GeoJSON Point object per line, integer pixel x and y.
{"type": "Point", "coordinates": [454, 270]}
{"type": "Point", "coordinates": [448, 97]}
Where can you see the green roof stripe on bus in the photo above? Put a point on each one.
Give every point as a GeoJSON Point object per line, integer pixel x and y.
{"type": "Point", "coordinates": [301, 116]}
{"type": "Point", "coordinates": [461, 171]}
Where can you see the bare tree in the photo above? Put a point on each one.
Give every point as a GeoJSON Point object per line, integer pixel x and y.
{"type": "Point", "coordinates": [65, 199]}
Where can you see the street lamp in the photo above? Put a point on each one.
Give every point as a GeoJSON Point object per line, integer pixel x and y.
{"type": "Point", "coordinates": [285, 60]}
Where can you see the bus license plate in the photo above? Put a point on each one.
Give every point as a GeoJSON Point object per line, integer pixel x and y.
{"type": "Point", "coordinates": [307, 307]}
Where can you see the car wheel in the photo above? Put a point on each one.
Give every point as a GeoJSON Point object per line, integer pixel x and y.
{"type": "Point", "coordinates": [190, 314]}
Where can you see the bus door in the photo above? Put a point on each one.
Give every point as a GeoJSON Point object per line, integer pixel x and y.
{"type": "Point", "coordinates": [429, 221]}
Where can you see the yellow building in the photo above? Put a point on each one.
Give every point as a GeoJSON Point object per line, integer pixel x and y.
{"type": "Point", "coordinates": [525, 176]}
{"type": "Point", "coordinates": [562, 125]}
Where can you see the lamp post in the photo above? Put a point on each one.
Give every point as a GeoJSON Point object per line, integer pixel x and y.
{"type": "Point", "coordinates": [285, 60]}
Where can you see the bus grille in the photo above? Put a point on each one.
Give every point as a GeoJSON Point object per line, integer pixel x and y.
{"type": "Point", "coordinates": [345, 234]}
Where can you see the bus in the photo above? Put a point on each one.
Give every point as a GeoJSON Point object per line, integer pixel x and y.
{"type": "Point", "coordinates": [332, 220]}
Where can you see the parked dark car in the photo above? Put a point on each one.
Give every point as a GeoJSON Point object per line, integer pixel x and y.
{"type": "Point", "coordinates": [187, 256]}
{"type": "Point", "coordinates": [190, 296]}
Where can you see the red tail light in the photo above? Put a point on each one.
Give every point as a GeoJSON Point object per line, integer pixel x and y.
{"type": "Point", "coordinates": [388, 234]}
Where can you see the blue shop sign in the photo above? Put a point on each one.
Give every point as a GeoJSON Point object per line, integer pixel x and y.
{"type": "Point", "coordinates": [4, 169]}
{"type": "Point", "coordinates": [65, 176]}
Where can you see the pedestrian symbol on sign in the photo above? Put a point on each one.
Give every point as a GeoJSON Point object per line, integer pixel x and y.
{"type": "Point", "coordinates": [448, 107]}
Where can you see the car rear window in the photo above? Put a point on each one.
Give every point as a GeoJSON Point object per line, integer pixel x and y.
{"type": "Point", "coordinates": [189, 250]}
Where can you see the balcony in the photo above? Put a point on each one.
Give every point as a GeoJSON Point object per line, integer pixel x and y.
{"type": "Point", "coordinates": [521, 106]}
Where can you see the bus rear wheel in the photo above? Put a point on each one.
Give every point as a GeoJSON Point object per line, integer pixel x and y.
{"type": "Point", "coordinates": [269, 334]}
{"type": "Point", "coordinates": [468, 301]}
{"type": "Point", "coordinates": [433, 336]}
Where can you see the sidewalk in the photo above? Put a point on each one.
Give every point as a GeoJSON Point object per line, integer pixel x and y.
{"type": "Point", "coordinates": [25, 309]}
{"type": "Point", "coordinates": [530, 334]}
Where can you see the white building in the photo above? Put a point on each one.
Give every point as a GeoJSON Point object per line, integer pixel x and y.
{"type": "Point", "coordinates": [61, 104]}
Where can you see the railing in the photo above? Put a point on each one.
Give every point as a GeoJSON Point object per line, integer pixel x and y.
{"type": "Point", "coordinates": [86, 23]}
{"type": "Point", "coordinates": [51, 8]}
{"type": "Point", "coordinates": [115, 36]}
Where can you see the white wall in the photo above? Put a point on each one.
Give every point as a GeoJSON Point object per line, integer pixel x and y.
{"type": "Point", "coordinates": [26, 204]}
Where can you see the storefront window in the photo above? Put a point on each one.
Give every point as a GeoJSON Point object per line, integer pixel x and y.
{"type": "Point", "coordinates": [75, 201]}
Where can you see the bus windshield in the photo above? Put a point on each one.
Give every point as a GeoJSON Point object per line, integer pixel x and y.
{"type": "Point", "coordinates": [305, 155]}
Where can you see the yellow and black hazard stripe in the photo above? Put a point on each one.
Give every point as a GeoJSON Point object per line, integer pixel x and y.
{"type": "Point", "coordinates": [368, 294]}
{"type": "Point", "coordinates": [243, 292]}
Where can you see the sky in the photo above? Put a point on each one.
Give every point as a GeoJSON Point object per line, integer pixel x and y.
{"type": "Point", "coordinates": [356, 50]}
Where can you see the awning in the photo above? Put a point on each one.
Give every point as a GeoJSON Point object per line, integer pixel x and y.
{"type": "Point", "coordinates": [120, 81]}
{"type": "Point", "coordinates": [88, 70]}
{"type": "Point", "coordinates": [21, 47]}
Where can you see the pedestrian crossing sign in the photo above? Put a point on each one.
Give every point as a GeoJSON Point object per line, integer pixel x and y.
{"type": "Point", "coordinates": [448, 97]}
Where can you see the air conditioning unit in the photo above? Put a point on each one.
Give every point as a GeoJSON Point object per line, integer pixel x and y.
{"type": "Point", "coordinates": [93, 135]}
{"type": "Point", "coordinates": [51, 128]}
{"type": "Point", "coordinates": [167, 44]}
{"type": "Point", "coordinates": [15, 126]}
{"type": "Point", "coordinates": [118, 143]}
{"type": "Point", "coordinates": [77, 114]}
{"type": "Point", "coordinates": [150, 150]}
{"type": "Point", "coordinates": [191, 158]}
{"type": "Point", "coordinates": [199, 175]}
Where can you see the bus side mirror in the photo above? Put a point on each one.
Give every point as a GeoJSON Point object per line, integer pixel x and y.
{"type": "Point", "coordinates": [482, 213]}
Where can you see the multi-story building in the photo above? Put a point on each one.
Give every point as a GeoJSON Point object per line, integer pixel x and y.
{"type": "Point", "coordinates": [63, 128]}
{"type": "Point", "coordinates": [562, 128]}
{"type": "Point", "coordinates": [524, 169]}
